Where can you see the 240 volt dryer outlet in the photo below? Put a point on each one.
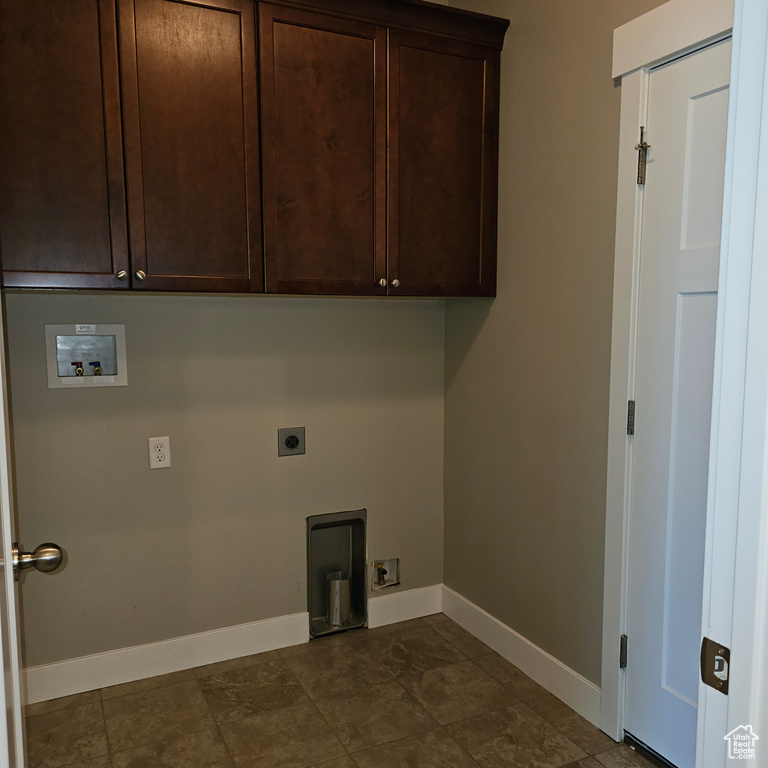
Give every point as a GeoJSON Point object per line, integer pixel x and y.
{"type": "Point", "coordinates": [290, 441]}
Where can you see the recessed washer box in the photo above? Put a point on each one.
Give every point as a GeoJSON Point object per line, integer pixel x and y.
{"type": "Point", "coordinates": [336, 544]}
{"type": "Point", "coordinates": [85, 355]}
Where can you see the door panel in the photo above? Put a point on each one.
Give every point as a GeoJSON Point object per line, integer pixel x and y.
{"type": "Point", "coordinates": [62, 206]}
{"type": "Point", "coordinates": [687, 110]}
{"type": "Point", "coordinates": [190, 105]}
{"type": "Point", "coordinates": [443, 167]}
{"type": "Point", "coordinates": [324, 150]}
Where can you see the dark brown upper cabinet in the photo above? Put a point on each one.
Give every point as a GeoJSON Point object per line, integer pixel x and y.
{"type": "Point", "coordinates": [62, 207]}
{"type": "Point", "coordinates": [136, 135]}
{"type": "Point", "coordinates": [443, 160]}
{"type": "Point", "coordinates": [324, 143]}
{"type": "Point", "coordinates": [190, 112]}
{"type": "Point", "coordinates": [379, 151]}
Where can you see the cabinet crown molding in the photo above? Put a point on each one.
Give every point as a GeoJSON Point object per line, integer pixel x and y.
{"type": "Point", "coordinates": [417, 16]}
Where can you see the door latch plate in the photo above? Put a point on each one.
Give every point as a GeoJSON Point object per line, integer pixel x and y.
{"type": "Point", "coordinates": [715, 665]}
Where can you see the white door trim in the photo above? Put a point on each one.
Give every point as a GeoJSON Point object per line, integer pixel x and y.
{"type": "Point", "coordinates": [740, 468]}
{"type": "Point", "coordinates": [668, 31]}
{"type": "Point", "coordinates": [663, 34]}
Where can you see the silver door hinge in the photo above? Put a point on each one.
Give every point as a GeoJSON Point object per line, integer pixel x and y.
{"type": "Point", "coordinates": [623, 652]}
{"type": "Point", "coordinates": [630, 417]}
{"type": "Point", "coordinates": [642, 156]}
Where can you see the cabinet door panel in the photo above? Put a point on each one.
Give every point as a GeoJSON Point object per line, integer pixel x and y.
{"type": "Point", "coordinates": [62, 207]}
{"type": "Point", "coordinates": [324, 152]}
{"type": "Point", "coordinates": [190, 109]}
{"type": "Point", "coordinates": [443, 167]}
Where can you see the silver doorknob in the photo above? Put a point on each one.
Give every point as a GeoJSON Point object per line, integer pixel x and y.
{"type": "Point", "coordinates": [383, 282]}
{"type": "Point", "coordinates": [46, 558]}
{"type": "Point", "coordinates": [140, 274]}
{"type": "Point", "coordinates": [122, 275]}
{"type": "Point", "coordinates": [395, 283]}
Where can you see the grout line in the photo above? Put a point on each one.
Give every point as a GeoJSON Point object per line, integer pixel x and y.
{"type": "Point", "coordinates": [106, 730]}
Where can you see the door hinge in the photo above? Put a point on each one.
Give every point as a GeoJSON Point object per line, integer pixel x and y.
{"type": "Point", "coordinates": [623, 652]}
{"type": "Point", "coordinates": [642, 156]}
{"type": "Point", "coordinates": [715, 665]}
{"type": "Point", "coordinates": [630, 417]}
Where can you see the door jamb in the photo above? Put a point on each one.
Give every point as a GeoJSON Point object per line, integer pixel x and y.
{"type": "Point", "coordinates": [667, 32]}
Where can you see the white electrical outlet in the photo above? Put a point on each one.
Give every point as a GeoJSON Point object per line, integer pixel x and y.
{"type": "Point", "coordinates": [159, 452]}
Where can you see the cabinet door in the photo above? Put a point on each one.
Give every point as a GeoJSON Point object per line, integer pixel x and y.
{"type": "Point", "coordinates": [191, 144]}
{"type": "Point", "coordinates": [323, 90]}
{"type": "Point", "coordinates": [443, 126]}
{"type": "Point", "coordinates": [62, 207]}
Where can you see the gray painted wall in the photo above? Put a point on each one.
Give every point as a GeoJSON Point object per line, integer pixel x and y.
{"type": "Point", "coordinates": [219, 538]}
{"type": "Point", "coordinates": [527, 375]}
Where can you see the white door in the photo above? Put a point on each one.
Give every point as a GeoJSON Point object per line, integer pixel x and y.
{"type": "Point", "coordinates": [11, 737]}
{"type": "Point", "coordinates": [680, 244]}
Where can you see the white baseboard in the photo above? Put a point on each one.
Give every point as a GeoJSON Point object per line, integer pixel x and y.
{"type": "Point", "coordinates": [569, 686]}
{"type": "Point", "coordinates": [50, 681]}
{"type": "Point", "coordinates": [401, 606]}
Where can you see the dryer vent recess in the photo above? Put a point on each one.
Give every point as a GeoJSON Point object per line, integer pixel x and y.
{"type": "Point", "coordinates": [385, 573]}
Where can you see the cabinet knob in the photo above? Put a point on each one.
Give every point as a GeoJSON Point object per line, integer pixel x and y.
{"type": "Point", "coordinates": [122, 275]}
{"type": "Point", "coordinates": [140, 274]}
{"type": "Point", "coordinates": [395, 283]}
{"type": "Point", "coordinates": [383, 282]}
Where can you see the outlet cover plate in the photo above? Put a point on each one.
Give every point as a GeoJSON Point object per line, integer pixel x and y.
{"type": "Point", "coordinates": [159, 452]}
{"type": "Point", "coordinates": [290, 441]}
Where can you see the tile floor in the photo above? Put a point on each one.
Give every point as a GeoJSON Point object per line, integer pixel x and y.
{"type": "Point", "coordinates": [420, 694]}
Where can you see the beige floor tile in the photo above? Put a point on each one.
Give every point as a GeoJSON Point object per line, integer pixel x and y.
{"type": "Point", "coordinates": [336, 670]}
{"type": "Point", "coordinates": [336, 640]}
{"type": "Point", "coordinates": [457, 691]}
{"type": "Point", "coordinates": [154, 715]}
{"type": "Point", "coordinates": [509, 738]}
{"type": "Point", "coordinates": [466, 642]}
{"type": "Point", "coordinates": [250, 690]}
{"type": "Point", "coordinates": [552, 709]}
{"type": "Point", "coordinates": [66, 736]}
{"type": "Point", "coordinates": [288, 738]}
{"type": "Point", "coordinates": [346, 639]}
{"type": "Point", "coordinates": [97, 762]}
{"type": "Point", "coordinates": [415, 650]}
{"type": "Point", "coordinates": [239, 663]}
{"type": "Point", "coordinates": [575, 727]}
{"type": "Point", "coordinates": [343, 762]}
{"type": "Point", "coordinates": [510, 676]}
{"type": "Point", "coordinates": [293, 650]}
{"type": "Point", "coordinates": [435, 618]}
{"type": "Point", "coordinates": [622, 757]}
{"type": "Point", "coordinates": [587, 762]}
{"type": "Point", "coordinates": [591, 739]}
{"type": "Point", "coordinates": [375, 715]}
{"type": "Point", "coordinates": [54, 705]}
{"type": "Point", "coordinates": [433, 749]}
{"type": "Point", "coordinates": [146, 684]}
{"type": "Point", "coordinates": [201, 749]}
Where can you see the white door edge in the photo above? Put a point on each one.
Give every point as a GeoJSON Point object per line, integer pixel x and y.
{"type": "Point", "coordinates": [637, 49]}
{"type": "Point", "coordinates": [14, 698]}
